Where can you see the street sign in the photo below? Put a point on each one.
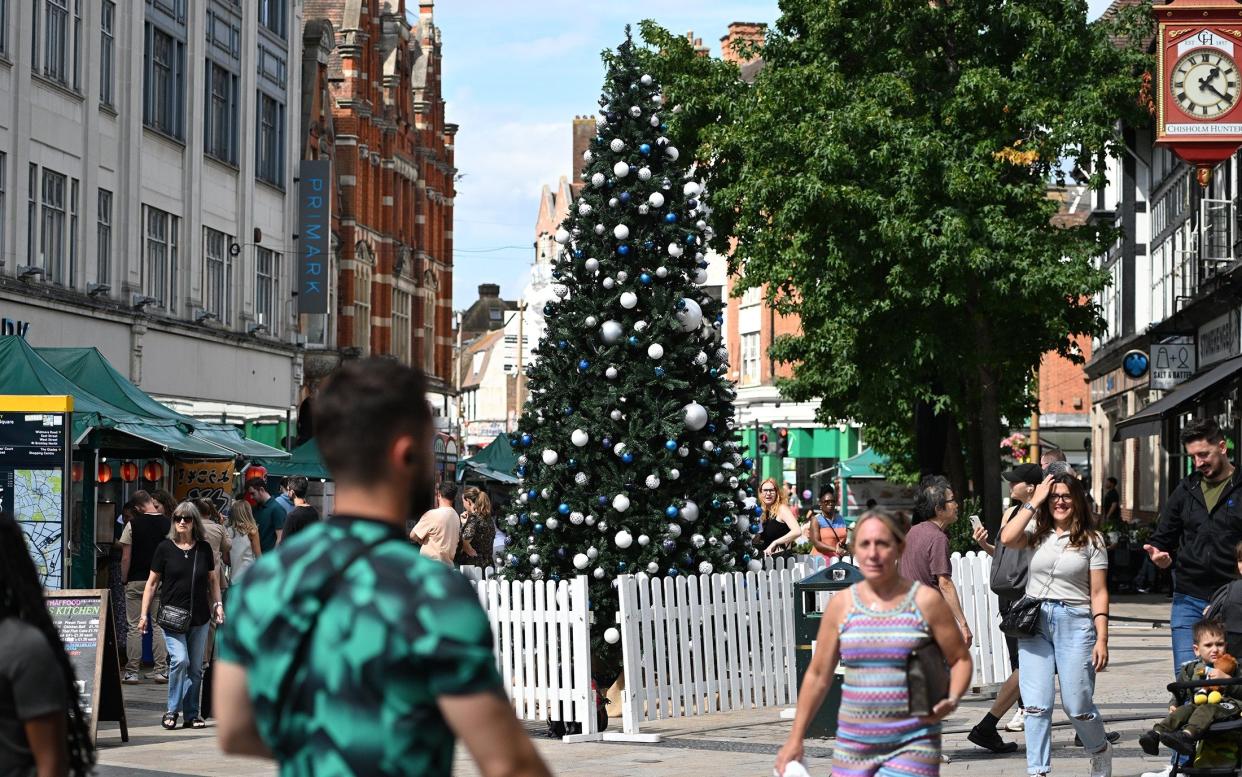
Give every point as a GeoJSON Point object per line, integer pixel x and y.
{"type": "Point", "coordinates": [314, 235]}
{"type": "Point", "coordinates": [35, 479]}
{"type": "Point", "coordinates": [1172, 363]}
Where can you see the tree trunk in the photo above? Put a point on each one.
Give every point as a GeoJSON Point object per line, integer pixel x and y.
{"type": "Point", "coordinates": [954, 460]}
{"type": "Point", "coordinates": [989, 438]}
{"type": "Point", "coordinates": [929, 439]}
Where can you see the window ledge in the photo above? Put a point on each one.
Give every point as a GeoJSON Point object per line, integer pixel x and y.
{"type": "Point", "coordinates": [58, 86]}
{"type": "Point", "coordinates": [4, 60]}
{"type": "Point", "coordinates": [218, 162]}
{"type": "Point", "coordinates": [162, 135]}
{"type": "Point", "coordinates": [108, 110]}
{"type": "Point", "coordinates": [273, 186]}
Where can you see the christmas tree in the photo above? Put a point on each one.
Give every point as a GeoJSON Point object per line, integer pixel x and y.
{"type": "Point", "coordinates": [628, 463]}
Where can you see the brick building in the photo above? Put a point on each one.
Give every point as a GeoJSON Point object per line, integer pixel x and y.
{"type": "Point", "coordinates": [371, 103]}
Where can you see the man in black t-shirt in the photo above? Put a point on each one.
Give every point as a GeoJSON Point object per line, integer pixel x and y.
{"type": "Point", "coordinates": [1111, 505]}
{"type": "Point", "coordinates": [138, 542]}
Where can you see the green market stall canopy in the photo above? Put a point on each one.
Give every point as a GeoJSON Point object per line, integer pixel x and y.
{"type": "Point", "coordinates": [495, 462]}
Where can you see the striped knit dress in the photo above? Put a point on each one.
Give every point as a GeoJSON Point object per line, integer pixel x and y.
{"type": "Point", "coordinates": [875, 734]}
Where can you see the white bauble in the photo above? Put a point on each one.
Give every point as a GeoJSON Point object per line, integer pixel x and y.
{"type": "Point", "coordinates": [562, 236]}
{"type": "Point", "coordinates": [705, 568]}
{"type": "Point", "coordinates": [552, 523]}
{"type": "Point", "coordinates": [591, 264]}
{"type": "Point", "coordinates": [643, 540]}
{"type": "Point", "coordinates": [654, 120]}
{"type": "Point", "coordinates": [550, 456]}
{"type": "Point", "coordinates": [560, 290]}
{"type": "Point", "coordinates": [534, 558]}
{"type": "Point", "coordinates": [621, 232]}
{"type": "Point", "coordinates": [683, 451]}
{"type": "Point", "coordinates": [611, 331]}
{"type": "Point", "coordinates": [546, 493]}
{"type": "Point", "coordinates": [675, 250]}
{"type": "Point", "coordinates": [672, 153]}
{"type": "Point", "coordinates": [584, 208]}
{"type": "Point", "coordinates": [576, 518]}
{"type": "Point", "coordinates": [590, 520]}
{"type": "Point", "coordinates": [511, 520]}
{"type": "Point", "coordinates": [643, 210]}
{"type": "Point", "coordinates": [645, 79]}
{"type": "Point", "coordinates": [723, 355]}
{"type": "Point", "coordinates": [522, 460]}
{"type": "Point", "coordinates": [536, 574]}
{"type": "Point", "coordinates": [673, 530]}
{"type": "Point", "coordinates": [733, 482]}
{"type": "Point", "coordinates": [635, 111]}
{"type": "Point", "coordinates": [629, 300]}
{"type": "Point", "coordinates": [718, 478]}
{"type": "Point", "coordinates": [700, 276]}
{"type": "Point", "coordinates": [611, 373]}
{"type": "Point", "coordinates": [588, 155]}
{"type": "Point", "coordinates": [695, 416]}
{"type": "Point", "coordinates": [709, 446]}
{"type": "Point", "coordinates": [644, 174]}
{"type": "Point", "coordinates": [579, 437]}
{"type": "Point", "coordinates": [691, 188]}
{"type": "Point", "coordinates": [600, 229]}
{"type": "Point", "coordinates": [581, 561]}
{"type": "Point", "coordinates": [656, 200]}
{"type": "Point", "coordinates": [590, 321]}
{"type": "Point", "coordinates": [597, 180]}
{"type": "Point", "coordinates": [698, 540]}
{"type": "Point", "coordinates": [608, 283]}
{"type": "Point", "coordinates": [611, 635]}
{"type": "Point", "coordinates": [582, 478]}
{"type": "Point", "coordinates": [598, 574]}
{"type": "Point", "coordinates": [523, 497]}
{"type": "Point", "coordinates": [617, 144]}
{"type": "Point", "coordinates": [618, 449]}
{"type": "Point", "coordinates": [726, 539]}
{"type": "Point", "coordinates": [616, 415]}
{"type": "Point", "coordinates": [700, 359]}
{"type": "Point", "coordinates": [689, 315]}
{"type": "Point", "coordinates": [700, 225]}
{"type": "Point", "coordinates": [621, 503]}
{"type": "Point", "coordinates": [612, 203]}
{"type": "Point", "coordinates": [652, 481]}
{"type": "Point", "coordinates": [622, 276]}
{"type": "Point", "coordinates": [690, 513]}
{"type": "Point", "coordinates": [653, 568]}
{"type": "Point", "coordinates": [658, 99]}
{"type": "Point", "coordinates": [620, 169]}
{"type": "Point", "coordinates": [655, 351]}
{"type": "Point", "coordinates": [674, 473]}
{"type": "Point", "coordinates": [640, 326]}
{"type": "Point", "coordinates": [755, 565]}
{"type": "Point", "coordinates": [661, 272]}
{"type": "Point", "coordinates": [623, 539]}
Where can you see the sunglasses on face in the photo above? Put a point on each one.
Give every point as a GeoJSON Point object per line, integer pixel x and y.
{"type": "Point", "coordinates": [183, 519]}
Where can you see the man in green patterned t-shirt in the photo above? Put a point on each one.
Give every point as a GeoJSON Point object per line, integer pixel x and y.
{"type": "Point", "coordinates": [348, 653]}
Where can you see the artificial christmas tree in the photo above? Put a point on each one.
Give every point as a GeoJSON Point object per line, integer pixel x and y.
{"type": "Point", "coordinates": [627, 457]}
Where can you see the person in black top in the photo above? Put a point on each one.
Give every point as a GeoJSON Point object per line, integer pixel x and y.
{"type": "Point", "coordinates": [1111, 505]}
{"type": "Point", "coordinates": [303, 513]}
{"type": "Point", "coordinates": [147, 528]}
{"type": "Point", "coordinates": [184, 568]}
{"type": "Point", "coordinates": [779, 529]}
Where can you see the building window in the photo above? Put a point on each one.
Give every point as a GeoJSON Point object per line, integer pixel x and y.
{"type": "Point", "coordinates": [429, 335]}
{"type": "Point", "coordinates": [4, 27]}
{"type": "Point", "coordinates": [32, 216]}
{"type": "Point", "coordinates": [362, 308]}
{"type": "Point", "coordinates": [55, 41]}
{"type": "Point", "coordinates": [164, 93]}
{"type": "Point", "coordinates": [103, 238]}
{"type": "Point", "coordinates": [402, 305]}
{"type": "Point", "coordinates": [220, 132]}
{"type": "Point", "coordinates": [269, 147]}
{"type": "Point", "coordinates": [71, 279]}
{"type": "Point", "coordinates": [52, 239]}
{"type": "Point", "coordinates": [160, 257]}
{"type": "Point", "coordinates": [218, 274]}
{"type": "Point", "coordinates": [272, 16]}
{"type": "Point", "coordinates": [266, 285]}
{"type": "Point", "coordinates": [3, 177]}
{"type": "Point", "coordinates": [107, 56]}
{"type": "Point", "coordinates": [750, 359]}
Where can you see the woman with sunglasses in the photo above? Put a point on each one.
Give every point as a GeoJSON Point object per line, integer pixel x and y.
{"type": "Point", "coordinates": [779, 529]}
{"type": "Point", "coordinates": [1068, 573]}
{"type": "Point", "coordinates": [184, 565]}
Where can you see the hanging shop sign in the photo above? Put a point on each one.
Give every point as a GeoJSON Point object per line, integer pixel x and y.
{"type": "Point", "coordinates": [1172, 362]}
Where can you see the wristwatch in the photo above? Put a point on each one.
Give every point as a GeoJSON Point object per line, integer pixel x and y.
{"type": "Point", "coordinates": [1029, 506]}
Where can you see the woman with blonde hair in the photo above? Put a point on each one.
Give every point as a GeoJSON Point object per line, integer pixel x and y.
{"type": "Point", "coordinates": [478, 529]}
{"type": "Point", "coordinates": [244, 533]}
{"type": "Point", "coordinates": [779, 529]}
{"type": "Point", "coordinates": [184, 568]}
{"type": "Point", "coordinates": [871, 632]}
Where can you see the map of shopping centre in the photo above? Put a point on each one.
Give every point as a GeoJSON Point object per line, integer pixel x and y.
{"type": "Point", "coordinates": [37, 506]}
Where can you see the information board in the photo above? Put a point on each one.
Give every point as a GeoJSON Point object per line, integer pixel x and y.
{"type": "Point", "coordinates": [86, 628]}
{"type": "Point", "coordinates": [34, 488]}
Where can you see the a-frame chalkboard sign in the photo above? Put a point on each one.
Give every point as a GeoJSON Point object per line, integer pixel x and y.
{"type": "Point", "coordinates": [86, 628]}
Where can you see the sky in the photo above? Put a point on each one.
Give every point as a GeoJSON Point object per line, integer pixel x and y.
{"type": "Point", "coordinates": [514, 76]}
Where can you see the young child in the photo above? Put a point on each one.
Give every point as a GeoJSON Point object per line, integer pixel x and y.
{"type": "Point", "coordinates": [1189, 718]}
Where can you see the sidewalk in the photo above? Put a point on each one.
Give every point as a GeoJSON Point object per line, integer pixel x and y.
{"type": "Point", "coordinates": [1130, 695]}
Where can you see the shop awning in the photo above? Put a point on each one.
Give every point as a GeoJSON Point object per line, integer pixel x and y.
{"type": "Point", "coordinates": [862, 465]}
{"type": "Point", "coordinates": [230, 437]}
{"type": "Point", "coordinates": [305, 461]}
{"type": "Point", "coordinates": [1148, 421]}
{"type": "Point", "coordinates": [495, 462]}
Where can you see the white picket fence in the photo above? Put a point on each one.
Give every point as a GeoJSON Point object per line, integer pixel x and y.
{"type": "Point", "coordinates": [542, 635]}
{"type": "Point", "coordinates": [971, 576]}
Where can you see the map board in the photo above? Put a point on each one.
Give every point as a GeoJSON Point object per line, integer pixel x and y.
{"type": "Point", "coordinates": [88, 631]}
{"type": "Point", "coordinates": [34, 482]}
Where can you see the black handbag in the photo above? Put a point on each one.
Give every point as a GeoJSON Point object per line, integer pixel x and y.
{"type": "Point", "coordinates": [177, 619]}
{"type": "Point", "coordinates": [1022, 620]}
{"type": "Point", "coordinates": [927, 678]}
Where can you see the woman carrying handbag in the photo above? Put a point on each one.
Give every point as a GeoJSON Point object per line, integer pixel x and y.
{"type": "Point", "coordinates": [184, 567]}
{"type": "Point", "coordinates": [1066, 603]}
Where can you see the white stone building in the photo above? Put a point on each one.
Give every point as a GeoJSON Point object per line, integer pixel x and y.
{"type": "Point", "coordinates": [147, 157]}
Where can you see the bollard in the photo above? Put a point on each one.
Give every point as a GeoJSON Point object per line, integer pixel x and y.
{"type": "Point", "coordinates": [807, 616]}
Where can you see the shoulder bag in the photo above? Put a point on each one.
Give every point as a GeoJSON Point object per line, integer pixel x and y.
{"type": "Point", "coordinates": [1009, 568]}
{"type": "Point", "coordinates": [177, 619]}
{"type": "Point", "coordinates": [1022, 620]}
{"type": "Point", "coordinates": [927, 677]}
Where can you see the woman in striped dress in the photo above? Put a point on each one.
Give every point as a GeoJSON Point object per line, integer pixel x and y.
{"type": "Point", "coordinates": [871, 630]}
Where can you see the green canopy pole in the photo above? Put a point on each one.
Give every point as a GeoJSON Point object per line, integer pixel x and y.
{"type": "Point", "coordinates": [82, 573]}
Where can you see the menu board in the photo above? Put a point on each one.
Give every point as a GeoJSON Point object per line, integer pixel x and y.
{"type": "Point", "coordinates": [34, 454]}
{"type": "Point", "coordinates": [85, 627]}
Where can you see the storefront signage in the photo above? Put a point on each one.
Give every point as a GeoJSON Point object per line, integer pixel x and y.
{"type": "Point", "coordinates": [34, 476]}
{"type": "Point", "coordinates": [1135, 363]}
{"type": "Point", "coordinates": [1172, 363]}
{"type": "Point", "coordinates": [212, 480]}
{"type": "Point", "coordinates": [87, 628]}
{"type": "Point", "coordinates": [314, 235]}
{"type": "Point", "coordinates": [11, 327]}
{"type": "Point", "coordinates": [1218, 339]}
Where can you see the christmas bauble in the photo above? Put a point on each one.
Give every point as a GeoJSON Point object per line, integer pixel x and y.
{"type": "Point", "coordinates": [674, 530]}
{"type": "Point", "coordinates": [618, 449]}
{"type": "Point", "coordinates": [575, 518]}
{"type": "Point", "coordinates": [645, 79]}
{"type": "Point", "coordinates": [661, 272]}
{"type": "Point", "coordinates": [655, 351]}
{"type": "Point", "coordinates": [534, 558]}
{"type": "Point", "coordinates": [629, 300]}
{"type": "Point", "coordinates": [754, 565]}
{"type": "Point", "coordinates": [598, 574]}
{"type": "Point", "coordinates": [653, 568]}
{"type": "Point", "coordinates": [582, 478]}
{"type": "Point", "coordinates": [552, 523]}
{"type": "Point", "coordinates": [674, 473]}
{"type": "Point", "coordinates": [597, 180]}
{"type": "Point", "coordinates": [672, 153]}
{"type": "Point", "coordinates": [623, 539]}
{"type": "Point", "coordinates": [590, 321]}
{"type": "Point", "coordinates": [562, 236]}
{"type": "Point", "coordinates": [705, 568]}
{"type": "Point", "coordinates": [611, 373]}
{"type": "Point", "coordinates": [654, 120]}
{"type": "Point", "coordinates": [581, 561]}
{"type": "Point", "coordinates": [550, 456]}
{"type": "Point", "coordinates": [691, 189]}
{"type": "Point", "coordinates": [652, 481]}
{"type": "Point", "coordinates": [644, 174]}
{"type": "Point", "coordinates": [695, 416]}
{"type": "Point", "coordinates": [579, 437]}
{"type": "Point", "coordinates": [700, 359]}
{"type": "Point", "coordinates": [675, 250]}
{"type": "Point", "coordinates": [611, 331]}
{"type": "Point", "coordinates": [643, 210]}
{"type": "Point", "coordinates": [643, 540]}
{"type": "Point", "coordinates": [689, 315]}
{"type": "Point", "coordinates": [621, 169]}
{"type": "Point", "coordinates": [700, 276]}
{"type": "Point", "coordinates": [656, 200]}
{"type": "Point", "coordinates": [621, 503]}
{"type": "Point", "coordinates": [621, 231]}
{"type": "Point", "coordinates": [617, 144]}
{"type": "Point", "coordinates": [584, 208]}
{"type": "Point", "coordinates": [611, 635]}
{"type": "Point", "coordinates": [622, 276]}
{"type": "Point", "coordinates": [587, 155]}
{"type": "Point", "coordinates": [698, 540]}
{"type": "Point", "coordinates": [709, 446]}
{"type": "Point", "coordinates": [615, 415]}
{"type": "Point", "coordinates": [591, 264]}
{"type": "Point", "coordinates": [599, 229]}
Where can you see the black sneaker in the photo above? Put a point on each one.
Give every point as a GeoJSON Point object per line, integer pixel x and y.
{"type": "Point", "coordinates": [1179, 741]}
{"type": "Point", "coordinates": [1150, 742]}
{"type": "Point", "coordinates": [990, 739]}
{"type": "Point", "coordinates": [1112, 736]}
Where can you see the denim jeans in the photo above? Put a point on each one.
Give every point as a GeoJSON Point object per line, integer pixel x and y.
{"type": "Point", "coordinates": [1186, 612]}
{"type": "Point", "coordinates": [185, 670]}
{"type": "Point", "coordinates": [1062, 647]}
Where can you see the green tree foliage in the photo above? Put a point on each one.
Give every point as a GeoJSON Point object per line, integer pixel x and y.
{"type": "Point", "coordinates": [885, 177]}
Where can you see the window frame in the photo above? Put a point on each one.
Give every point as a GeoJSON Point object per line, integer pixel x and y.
{"type": "Point", "coordinates": [402, 323]}
{"type": "Point", "coordinates": [362, 307]}
{"type": "Point", "coordinates": [214, 102]}
{"type": "Point", "coordinates": [271, 278]}
{"type": "Point", "coordinates": [52, 212]}
{"type": "Point", "coordinates": [103, 237]}
{"type": "Point", "coordinates": [107, 52]}
{"type": "Point", "coordinates": [750, 359]}
{"type": "Point", "coordinates": [4, 29]}
{"type": "Point", "coordinates": [217, 297]}
{"type": "Point", "coordinates": [165, 287]}
{"type": "Point", "coordinates": [273, 17]}
{"type": "Point", "coordinates": [163, 104]}
{"type": "Point", "coordinates": [4, 169]}
{"type": "Point", "coordinates": [269, 167]}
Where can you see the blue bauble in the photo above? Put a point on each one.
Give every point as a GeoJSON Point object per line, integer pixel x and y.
{"type": "Point", "coordinates": [672, 572]}
{"type": "Point", "coordinates": [612, 117]}
{"type": "Point", "coordinates": [569, 410]}
{"type": "Point", "coordinates": [632, 340]}
{"type": "Point", "coordinates": [577, 253]}
{"type": "Point", "coordinates": [623, 249]}
{"type": "Point", "coordinates": [711, 428]}
{"type": "Point", "coordinates": [756, 511]}
{"type": "Point", "coordinates": [583, 364]}
{"type": "Point", "coordinates": [603, 499]}
{"type": "Point", "coordinates": [670, 218]}
{"type": "Point", "coordinates": [712, 372]}
{"type": "Point", "coordinates": [692, 203]}
{"type": "Point", "coordinates": [539, 528]}
{"type": "Point", "coordinates": [716, 504]}
{"type": "Point", "coordinates": [620, 566]}
{"type": "Point", "coordinates": [532, 494]}
{"type": "Point", "coordinates": [562, 552]}
{"type": "Point", "coordinates": [671, 511]}
{"type": "Point", "coordinates": [659, 372]}
{"type": "Point", "coordinates": [689, 240]}
{"type": "Point", "coordinates": [627, 457]}
{"type": "Point", "coordinates": [562, 344]}
{"type": "Point", "coordinates": [669, 546]}
{"type": "Point", "coordinates": [727, 520]}
{"type": "Point", "coordinates": [747, 463]}
{"type": "Point", "coordinates": [670, 445]}
{"type": "Point", "coordinates": [562, 508]}
{"type": "Point", "coordinates": [572, 463]}
{"type": "Point", "coordinates": [547, 308]}
{"type": "Point", "coordinates": [526, 438]}
{"type": "Point", "coordinates": [644, 149]}
{"type": "Point", "coordinates": [523, 519]}
{"type": "Point", "coordinates": [754, 528]}
{"type": "Point", "coordinates": [606, 442]}
{"type": "Point", "coordinates": [521, 471]}
{"type": "Point", "coordinates": [648, 244]}
{"type": "Point", "coordinates": [687, 559]}
{"type": "Point", "coordinates": [512, 560]}
{"type": "Point", "coordinates": [624, 197]}
{"type": "Point", "coordinates": [745, 558]}
{"type": "Point", "coordinates": [703, 462]}
{"type": "Point", "coordinates": [703, 265]}
{"type": "Point", "coordinates": [645, 279]}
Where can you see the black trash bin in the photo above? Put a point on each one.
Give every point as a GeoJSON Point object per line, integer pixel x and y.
{"type": "Point", "coordinates": [807, 615]}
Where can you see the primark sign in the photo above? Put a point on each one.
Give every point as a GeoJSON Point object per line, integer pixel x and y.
{"type": "Point", "coordinates": [314, 235]}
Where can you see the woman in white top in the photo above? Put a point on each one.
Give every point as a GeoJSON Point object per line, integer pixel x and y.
{"type": "Point", "coordinates": [1069, 573]}
{"type": "Point", "coordinates": [244, 533]}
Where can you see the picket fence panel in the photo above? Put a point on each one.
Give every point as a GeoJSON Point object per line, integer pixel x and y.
{"type": "Point", "coordinates": [542, 635]}
{"type": "Point", "coordinates": [972, 576]}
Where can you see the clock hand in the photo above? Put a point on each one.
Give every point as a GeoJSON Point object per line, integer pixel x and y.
{"type": "Point", "coordinates": [1211, 76]}
{"type": "Point", "coordinates": [1217, 92]}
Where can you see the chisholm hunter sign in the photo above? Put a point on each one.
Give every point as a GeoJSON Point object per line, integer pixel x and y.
{"type": "Point", "coordinates": [314, 235]}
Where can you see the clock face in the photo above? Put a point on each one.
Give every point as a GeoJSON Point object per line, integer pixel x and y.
{"type": "Point", "coordinates": [1205, 83]}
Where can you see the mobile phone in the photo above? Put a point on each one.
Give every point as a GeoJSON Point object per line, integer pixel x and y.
{"type": "Point", "coordinates": [975, 523]}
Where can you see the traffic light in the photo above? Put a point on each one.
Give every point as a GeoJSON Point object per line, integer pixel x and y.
{"type": "Point", "coordinates": [782, 442]}
{"type": "Point", "coordinates": [763, 446]}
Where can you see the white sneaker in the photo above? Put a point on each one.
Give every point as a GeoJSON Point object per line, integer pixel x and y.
{"type": "Point", "coordinates": [1018, 721]}
{"type": "Point", "coordinates": [1162, 773]}
{"type": "Point", "coordinates": [1102, 762]}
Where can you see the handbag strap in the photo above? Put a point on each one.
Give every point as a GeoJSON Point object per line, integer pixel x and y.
{"type": "Point", "coordinates": [193, 575]}
{"type": "Point", "coordinates": [1052, 574]}
{"type": "Point", "coordinates": [299, 654]}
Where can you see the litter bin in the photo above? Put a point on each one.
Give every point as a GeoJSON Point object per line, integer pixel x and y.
{"type": "Point", "coordinates": [807, 615]}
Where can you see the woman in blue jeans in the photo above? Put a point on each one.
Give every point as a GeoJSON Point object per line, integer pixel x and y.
{"type": "Point", "coordinates": [1069, 573]}
{"type": "Point", "coordinates": [184, 567]}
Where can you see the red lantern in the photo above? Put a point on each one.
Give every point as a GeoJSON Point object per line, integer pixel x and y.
{"type": "Point", "coordinates": [153, 471]}
{"type": "Point", "coordinates": [104, 474]}
{"type": "Point", "coordinates": [78, 471]}
{"type": "Point", "coordinates": [129, 472]}
{"type": "Point", "coordinates": [256, 471]}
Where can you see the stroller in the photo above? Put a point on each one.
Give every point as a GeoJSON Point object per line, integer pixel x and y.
{"type": "Point", "coordinates": [1220, 751]}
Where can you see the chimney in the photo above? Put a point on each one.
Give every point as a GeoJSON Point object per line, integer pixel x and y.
{"type": "Point", "coordinates": [489, 290]}
{"type": "Point", "coordinates": [697, 45]}
{"type": "Point", "coordinates": [749, 32]}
